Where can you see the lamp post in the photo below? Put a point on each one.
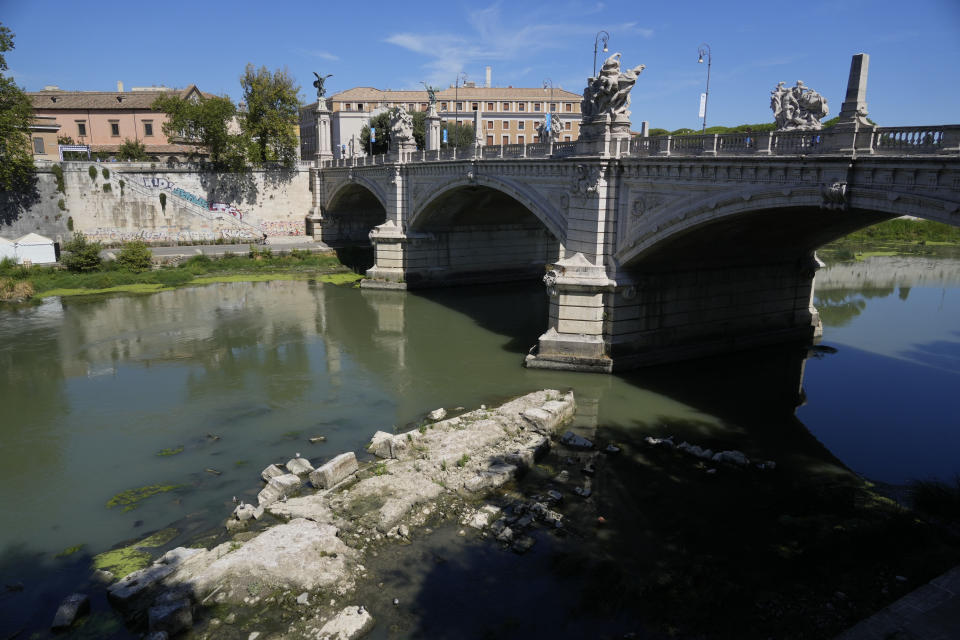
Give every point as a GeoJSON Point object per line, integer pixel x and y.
{"type": "Point", "coordinates": [456, 102]}
{"type": "Point", "coordinates": [705, 49]}
{"type": "Point", "coordinates": [601, 36]}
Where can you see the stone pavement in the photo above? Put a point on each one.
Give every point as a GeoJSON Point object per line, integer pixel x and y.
{"type": "Point", "coordinates": [931, 612]}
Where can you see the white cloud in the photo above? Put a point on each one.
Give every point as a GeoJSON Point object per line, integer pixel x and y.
{"type": "Point", "coordinates": [325, 55]}
{"type": "Point", "coordinates": [490, 39]}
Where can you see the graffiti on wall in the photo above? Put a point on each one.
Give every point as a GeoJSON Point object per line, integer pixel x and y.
{"type": "Point", "coordinates": [112, 235]}
{"type": "Point", "coordinates": [283, 227]}
{"type": "Point", "coordinates": [169, 185]}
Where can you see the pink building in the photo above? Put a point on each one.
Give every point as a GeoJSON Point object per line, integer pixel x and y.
{"type": "Point", "coordinates": [105, 119]}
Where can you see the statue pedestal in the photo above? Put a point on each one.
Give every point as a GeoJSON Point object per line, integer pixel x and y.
{"type": "Point", "coordinates": [604, 137]}
{"type": "Point", "coordinates": [324, 144]}
{"type": "Point", "coordinates": [401, 150]}
{"type": "Point", "coordinates": [432, 131]}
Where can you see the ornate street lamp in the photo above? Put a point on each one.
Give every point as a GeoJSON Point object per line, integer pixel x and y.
{"type": "Point", "coordinates": [601, 36]}
{"type": "Point", "coordinates": [705, 49]}
{"type": "Point", "coordinates": [456, 101]}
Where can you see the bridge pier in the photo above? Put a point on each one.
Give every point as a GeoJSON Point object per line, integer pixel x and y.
{"type": "Point", "coordinates": [651, 317]}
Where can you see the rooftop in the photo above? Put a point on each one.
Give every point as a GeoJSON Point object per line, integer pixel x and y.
{"type": "Point", "coordinates": [104, 100]}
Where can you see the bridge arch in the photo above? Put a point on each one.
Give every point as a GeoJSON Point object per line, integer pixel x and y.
{"type": "Point", "coordinates": [353, 209]}
{"type": "Point", "coordinates": [798, 218]}
{"type": "Point", "coordinates": [481, 229]}
{"type": "Point", "coordinates": [530, 199]}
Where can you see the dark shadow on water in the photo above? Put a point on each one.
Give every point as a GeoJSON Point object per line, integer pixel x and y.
{"type": "Point", "coordinates": [357, 258]}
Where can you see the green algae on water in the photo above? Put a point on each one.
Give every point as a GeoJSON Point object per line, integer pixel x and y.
{"type": "Point", "coordinates": [69, 551]}
{"type": "Point", "coordinates": [126, 560]}
{"type": "Point", "coordinates": [131, 498]}
{"type": "Point", "coordinates": [170, 452]}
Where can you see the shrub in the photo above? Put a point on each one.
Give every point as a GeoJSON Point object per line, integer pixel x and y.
{"type": "Point", "coordinates": [61, 205]}
{"type": "Point", "coordinates": [93, 173]}
{"type": "Point", "coordinates": [106, 173]}
{"type": "Point", "coordinates": [135, 256]}
{"type": "Point", "coordinates": [132, 150]}
{"type": "Point", "coordinates": [58, 174]}
{"type": "Point", "coordinates": [121, 183]}
{"type": "Point", "coordinates": [106, 187]}
{"type": "Point", "coordinates": [81, 255]}
{"type": "Point", "coordinates": [69, 223]}
{"type": "Point", "coordinates": [163, 202]}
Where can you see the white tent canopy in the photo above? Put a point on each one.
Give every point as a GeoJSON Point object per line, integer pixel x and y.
{"type": "Point", "coordinates": [35, 248]}
{"type": "Point", "coordinates": [7, 249]}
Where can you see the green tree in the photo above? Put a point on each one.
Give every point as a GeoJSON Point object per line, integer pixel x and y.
{"type": "Point", "coordinates": [271, 115]}
{"type": "Point", "coordinates": [459, 135]}
{"type": "Point", "coordinates": [81, 255]}
{"type": "Point", "coordinates": [205, 121]}
{"type": "Point", "coordinates": [135, 256]}
{"type": "Point", "coordinates": [17, 172]}
{"type": "Point", "coordinates": [132, 150]}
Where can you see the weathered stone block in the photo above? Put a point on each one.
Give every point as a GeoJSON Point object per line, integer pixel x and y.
{"type": "Point", "coordinates": [278, 487]}
{"type": "Point", "coordinates": [381, 445]}
{"type": "Point", "coordinates": [351, 623]}
{"type": "Point", "coordinates": [131, 589]}
{"type": "Point", "coordinates": [299, 466]}
{"type": "Point", "coordinates": [172, 617]}
{"type": "Point", "coordinates": [72, 607]}
{"type": "Point", "coordinates": [271, 472]}
{"type": "Point", "coordinates": [336, 470]}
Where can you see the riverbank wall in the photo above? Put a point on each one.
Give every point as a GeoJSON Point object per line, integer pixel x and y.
{"type": "Point", "coordinates": [120, 202]}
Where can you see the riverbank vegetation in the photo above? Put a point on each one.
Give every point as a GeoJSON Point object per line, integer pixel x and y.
{"type": "Point", "coordinates": [902, 236]}
{"type": "Point", "coordinates": [128, 273]}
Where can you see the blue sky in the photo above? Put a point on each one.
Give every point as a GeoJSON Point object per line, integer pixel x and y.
{"type": "Point", "coordinates": [914, 48]}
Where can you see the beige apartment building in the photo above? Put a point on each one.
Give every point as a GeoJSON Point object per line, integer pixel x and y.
{"type": "Point", "coordinates": [105, 119]}
{"type": "Point", "coordinates": [508, 115]}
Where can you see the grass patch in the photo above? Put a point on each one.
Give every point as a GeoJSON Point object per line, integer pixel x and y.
{"type": "Point", "coordinates": [464, 459]}
{"type": "Point", "coordinates": [170, 452]}
{"type": "Point", "coordinates": [131, 498]}
{"type": "Point", "coordinates": [380, 469]}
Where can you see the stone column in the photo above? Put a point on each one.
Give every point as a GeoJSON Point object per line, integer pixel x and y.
{"type": "Point", "coordinates": [324, 141]}
{"type": "Point", "coordinates": [433, 135]}
{"type": "Point", "coordinates": [853, 134]}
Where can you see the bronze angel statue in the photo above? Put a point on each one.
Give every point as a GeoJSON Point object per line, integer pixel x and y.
{"type": "Point", "coordinates": [318, 83]}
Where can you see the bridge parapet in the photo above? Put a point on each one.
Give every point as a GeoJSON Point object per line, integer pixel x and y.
{"type": "Point", "coordinates": [890, 141]}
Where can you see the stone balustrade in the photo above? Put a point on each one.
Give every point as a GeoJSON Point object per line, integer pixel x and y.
{"type": "Point", "coordinates": [942, 139]}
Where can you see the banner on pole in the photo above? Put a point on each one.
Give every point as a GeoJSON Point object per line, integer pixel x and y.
{"type": "Point", "coordinates": [703, 105]}
{"type": "Point", "coordinates": [373, 134]}
{"type": "Point", "coordinates": [444, 136]}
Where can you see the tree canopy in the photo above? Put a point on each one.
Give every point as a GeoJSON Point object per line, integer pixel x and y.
{"type": "Point", "coordinates": [17, 171]}
{"type": "Point", "coordinates": [205, 121]}
{"type": "Point", "coordinates": [271, 116]}
{"type": "Point", "coordinates": [457, 134]}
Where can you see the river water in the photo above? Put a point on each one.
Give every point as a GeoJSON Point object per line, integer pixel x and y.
{"type": "Point", "coordinates": [240, 375]}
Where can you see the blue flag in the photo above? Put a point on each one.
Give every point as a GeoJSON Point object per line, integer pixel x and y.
{"type": "Point", "coordinates": [373, 134]}
{"type": "Point", "coordinates": [444, 136]}
{"type": "Point", "coordinates": [548, 123]}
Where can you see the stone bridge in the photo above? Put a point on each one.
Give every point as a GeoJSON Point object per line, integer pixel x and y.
{"type": "Point", "coordinates": [651, 249]}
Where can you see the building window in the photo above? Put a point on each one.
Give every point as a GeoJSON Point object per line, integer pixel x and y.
{"type": "Point", "coordinates": [81, 128]}
{"type": "Point", "coordinates": [506, 106]}
{"type": "Point", "coordinates": [38, 146]}
{"type": "Point", "coordinates": [536, 139]}
{"type": "Point", "coordinates": [553, 106]}
{"type": "Point", "coordinates": [520, 139]}
{"type": "Point", "coordinates": [566, 138]}
{"type": "Point", "coordinates": [147, 129]}
{"type": "Point", "coordinates": [443, 106]}
{"type": "Point", "coordinates": [475, 106]}
{"type": "Point", "coordinates": [568, 106]}
{"type": "Point", "coordinates": [489, 141]}
{"type": "Point", "coordinates": [536, 106]}
{"type": "Point", "coordinates": [566, 125]}
{"type": "Point", "coordinates": [115, 128]}
{"type": "Point", "coordinates": [489, 124]}
{"type": "Point", "coordinates": [423, 106]}
{"type": "Point", "coordinates": [347, 106]}
{"type": "Point", "coordinates": [522, 106]}
{"type": "Point", "coordinates": [520, 124]}
{"type": "Point", "coordinates": [459, 107]}
{"type": "Point", "coordinates": [506, 139]}
{"type": "Point", "coordinates": [505, 124]}
{"type": "Point", "coordinates": [489, 106]}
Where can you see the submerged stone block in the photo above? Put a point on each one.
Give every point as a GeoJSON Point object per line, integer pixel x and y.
{"type": "Point", "coordinates": [278, 487]}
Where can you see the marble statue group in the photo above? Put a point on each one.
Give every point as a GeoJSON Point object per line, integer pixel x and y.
{"type": "Point", "coordinates": [609, 93]}
{"type": "Point", "coordinates": [798, 108]}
